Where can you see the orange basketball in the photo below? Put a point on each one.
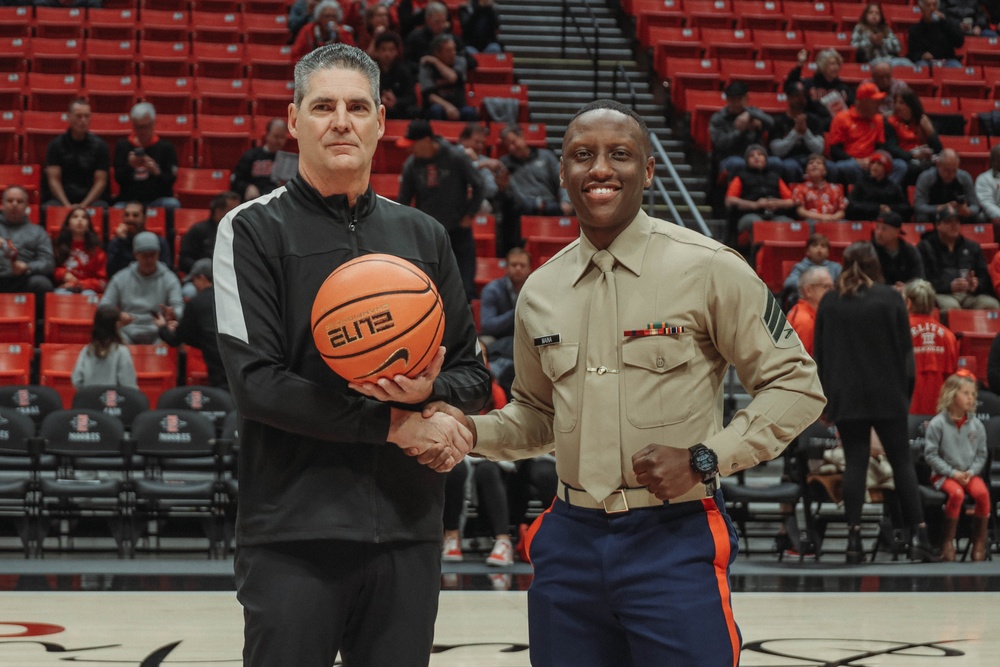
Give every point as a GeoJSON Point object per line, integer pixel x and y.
{"type": "Point", "coordinates": [377, 316]}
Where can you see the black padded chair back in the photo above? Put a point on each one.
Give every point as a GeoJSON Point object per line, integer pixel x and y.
{"type": "Point", "coordinates": [123, 403]}
{"type": "Point", "coordinates": [82, 432]}
{"type": "Point", "coordinates": [33, 400]}
{"type": "Point", "coordinates": [173, 433]}
{"type": "Point", "coordinates": [16, 431]}
{"type": "Point", "coordinates": [212, 402]}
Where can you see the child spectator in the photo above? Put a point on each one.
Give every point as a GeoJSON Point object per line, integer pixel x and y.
{"type": "Point", "coordinates": [955, 449]}
{"type": "Point", "coordinates": [874, 39]}
{"type": "Point", "coordinates": [935, 348]}
{"type": "Point", "coordinates": [758, 192]}
{"type": "Point", "coordinates": [106, 360]}
{"type": "Point", "coordinates": [817, 254]}
{"type": "Point", "coordinates": [816, 198]}
{"type": "Point", "coordinates": [81, 264]}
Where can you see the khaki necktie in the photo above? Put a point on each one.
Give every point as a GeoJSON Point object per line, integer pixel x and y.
{"type": "Point", "coordinates": [600, 430]}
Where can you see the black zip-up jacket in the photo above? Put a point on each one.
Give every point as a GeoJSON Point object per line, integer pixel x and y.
{"type": "Point", "coordinates": [314, 462]}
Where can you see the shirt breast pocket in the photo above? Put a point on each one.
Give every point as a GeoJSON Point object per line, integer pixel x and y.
{"type": "Point", "coordinates": [559, 365]}
{"type": "Point", "coordinates": [656, 369]}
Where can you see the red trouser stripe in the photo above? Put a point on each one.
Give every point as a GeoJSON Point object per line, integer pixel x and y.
{"type": "Point", "coordinates": [530, 535]}
{"type": "Point", "coordinates": [720, 534]}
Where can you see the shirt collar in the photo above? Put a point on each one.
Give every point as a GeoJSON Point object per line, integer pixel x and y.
{"type": "Point", "coordinates": [629, 248]}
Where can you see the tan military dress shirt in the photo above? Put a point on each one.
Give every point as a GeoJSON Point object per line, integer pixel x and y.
{"type": "Point", "coordinates": [671, 384]}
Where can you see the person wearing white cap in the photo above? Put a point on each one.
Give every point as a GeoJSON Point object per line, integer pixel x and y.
{"type": "Point", "coordinates": [146, 288]}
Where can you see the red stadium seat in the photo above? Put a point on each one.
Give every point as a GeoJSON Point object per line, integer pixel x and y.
{"type": "Point", "coordinates": [778, 44]}
{"type": "Point", "coordinates": [900, 17]}
{"type": "Point", "coordinates": [110, 57]}
{"type": "Point", "coordinates": [658, 14]}
{"type": "Point", "coordinates": [267, 28]}
{"type": "Point", "coordinates": [221, 28]}
{"type": "Point", "coordinates": [220, 61]}
{"type": "Point", "coordinates": [69, 318]}
{"type": "Point", "coordinates": [111, 127]}
{"type": "Point", "coordinates": [170, 95]}
{"type": "Point", "coordinates": [116, 24]}
{"type": "Point", "coordinates": [164, 25]}
{"type": "Point", "coordinates": [15, 362]}
{"type": "Point", "coordinates": [271, 97]}
{"type": "Point", "coordinates": [759, 14]}
{"type": "Point", "coordinates": [165, 59]}
{"type": "Point", "coordinates": [10, 137]}
{"type": "Point", "coordinates": [485, 235]}
{"type": "Point", "coordinates": [975, 330]}
{"type": "Point", "coordinates": [728, 43]}
{"type": "Point", "coordinates": [15, 22]}
{"type": "Point", "coordinates": [493, 68]}
{"type": "Point", "coordinates": [195, 369]}
{"type": "Point", "coordinates": [222, 140]}
{"type": "Point", "coordinates": [52, 92]}
{"type": "Point", "coordinates": [843, 233]}
{"type": "Point", "coordinates": [14, 54]}
{"type": "Point", "coordinates": [550, 226]}
{"type": "Point", "coordinates": [960, 82]}
{"type": "Point", "coordinates": [386, 185]}
{"type": "Point", "coordinates": [17, 317]}
{"type": "Point", "coordinates": [56, 215]}
{"type": "Point", "coordinates": [973, 151]}
{"type": "Point", "coordinates": [690, 74]}
{"type": "Point", "coordinates": [669, 42]}
{"type": "Point", "coordinates": [709, 14]}
{"type": "Point", "coordinates": [982, 51]}
{"type": "Point", "coordinates": [222, 97]}
{"type": "Point", "coordinates": [983, 235]}
{"type": "Point", "coordinates": [487, 269]}
{"type": "Point", "coordinates": [811, 16]}
{"type": "Point", "coordinates": [971, 108]}
{"type": "Point", "coordinates": [56, 55]}
{"type": "Point", "coordinates": [56, 363]}
{"type": "Point", "coordinates": [481, 91]}
{"type": "Point", "coordinates": [778, 242]}
{"type": "Point", "coordinates": [269, 61]}
{"type": "Point", "coordinates": [196, 187]}
{"type": "Point", "coordinates": [156, 220]}
{"type": "Point", "coordinates": [59, 22]}
{"type": "Point", "coordinates": [110, 93]}
{"type": "Point", "coordinates": [819, 40]}
{"type": "Point", "coordinates": [757, 74]}
{"type": "Point", "coordinates": [155, 369]}
{"type": "Point", "coordinates": [28, 176]}
{"type": "Point", "coordinates": [178, 128]}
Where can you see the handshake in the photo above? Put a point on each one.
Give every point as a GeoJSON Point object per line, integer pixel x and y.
{"type": "Point", "coordinates": [439, 437]}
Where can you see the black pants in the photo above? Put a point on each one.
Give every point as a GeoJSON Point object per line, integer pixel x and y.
{"type": "Point", "coordinates": [464, 247]}
{"type": "Point", "coordinates": [305, 601]}
{"type": "Point", "coordinates": [856, 436]}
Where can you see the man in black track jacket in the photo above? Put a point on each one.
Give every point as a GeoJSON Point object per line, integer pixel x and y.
{"type": "Point", "coordinates": [340, 509]}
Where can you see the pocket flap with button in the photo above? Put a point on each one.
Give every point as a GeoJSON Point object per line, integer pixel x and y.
{"type": "Point", "coordinates": [559, 359]}
{"type": "Point", "coordinates": [658, 353]}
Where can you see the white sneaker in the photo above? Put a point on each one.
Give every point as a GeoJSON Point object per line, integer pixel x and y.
{"type": "Point", "coordinates": [502, 554]}
{"type": "Point", "coordinates": [451, 550]}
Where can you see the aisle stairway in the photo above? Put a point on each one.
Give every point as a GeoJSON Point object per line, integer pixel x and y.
{"type": "Point", "coordinates": [558, 86]}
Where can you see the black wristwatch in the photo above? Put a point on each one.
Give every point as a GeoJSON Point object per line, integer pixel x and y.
{"type": "Point", "coordinates": [705, 462]}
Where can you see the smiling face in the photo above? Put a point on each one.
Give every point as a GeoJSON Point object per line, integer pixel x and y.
{"type": "Point", "coordinates": [338, 125]}
{"type": "Point", "coordinates": [605, 167]}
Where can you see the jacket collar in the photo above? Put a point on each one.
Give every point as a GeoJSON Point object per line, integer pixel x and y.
{"type": "Point", "coordinates": [336, 205]}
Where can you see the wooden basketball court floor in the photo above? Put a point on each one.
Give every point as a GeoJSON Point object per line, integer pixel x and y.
{"type": "Point", "coordinates": [146, 614]}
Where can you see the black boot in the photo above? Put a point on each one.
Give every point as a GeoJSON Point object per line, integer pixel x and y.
{"type": "Point", "coordinates": [855, 550]}
{"type": "Point", "coordinates": [921, 548]}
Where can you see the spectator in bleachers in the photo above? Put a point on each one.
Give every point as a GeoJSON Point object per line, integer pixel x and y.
{"type": "Point", "coordinates": [955, 266]}
{"type": "Point", "coordinates": [145, 163]}
{"type": "Point", "coordinates": [133, 222]}
{"type": "Point", "coordinates": [988, 188]}
{"type": "Point", "coordinates": [146, 288]}
{"type": "Point", "coordinates": [496, 315]}
{"type": "Point", "coordinates": [797, 133]}
{"type": "Point", "coordinates": [816, 199]}
{"type": "Point", "coordinates": [911, 136]}
{"type": "Point", "coordinates": [935, 37]}
{"type": "Point", "coordinates": [758, 192]}
{"type": "Point", "coordinates": [299, 14]}
{"type": "Point", "coordinates": [473, 140]}
{"type": "Point", "coordinates": [874, 38]}
{"type": "Point", "coordinates": [970, 15]}
{"type": "Point", "coordinates": [875, 194]}
{"type": "Point", "coordinates": [900, 260]}
{"type": "Point", "coordinates": [411, 15]}
{"type": "Point", "coordinates": [439, 180]}
{"type": "Point", "coordinates": [530, 186]}
{"type": "Point", "coordinates": [81, 263]}
{"type": "Point", "coordinates": [26, 259]}
{"type": "Point", "coordinates": [106, 359]}
{"type": "Point", "coordinates": [77, 163]}
{"type": "Point", "coordinates": [442, 78]}
{"type": "Point", "coordinates": [197, 327]}
{"type": "Point", "coordinates": [326, 28]}
{"type": "Point", "coordinates": [813, 285]}
{"type": "Point", "coordinates": [827, 95]}
{"type": "Point", "coordinates": [370, 18]}
{"type": "Point", "coordinates": [884, 81]}
{"type": "Point", "coordinates": [946, 186]}
{"type": "Point", "coordinates": [817, 255]}
{"type": "Point", "coordinates": [396, 85]}
{"type": "Point", "coordinates": [252, 175]}
{"type": "Point", "coordinates": [736, 126]}
{"type": "Point", "coordinates": [855, 134]}
{"type": "Point", "coordinates": [935, 348]}
{"type": "Point", "coordinates": [480, 23]}
{"type": "Point", "coordinates": [199, 240]}
{"type": "Point", "coordinates": [417, 43]}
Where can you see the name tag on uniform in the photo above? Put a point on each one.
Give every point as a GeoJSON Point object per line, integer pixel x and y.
{"type": "Point", "coordinates": [654, 329]}
{"type": "Point", "coordinates": [549, 339]}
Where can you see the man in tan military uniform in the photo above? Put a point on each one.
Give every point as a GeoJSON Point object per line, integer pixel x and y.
{"type": "Point", "coordinates": [609, 360]}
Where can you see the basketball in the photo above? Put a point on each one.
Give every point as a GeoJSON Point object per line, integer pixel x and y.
{"type": "Point", "coordinates": [377, 316]}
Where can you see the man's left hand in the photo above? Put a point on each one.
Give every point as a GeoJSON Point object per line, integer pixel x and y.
{"type": "Point", "coordinates": [402, 389]}
{"type": "Point", "coordinates": [665, 471]}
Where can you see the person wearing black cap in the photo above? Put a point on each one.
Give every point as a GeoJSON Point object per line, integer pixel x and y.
{"type": "Point", "coordinates": [440, 180]}
{"type": "Point", "coordinates": [900, 260]}
{"type": "Point", "coordinates": [955, 266]}
{"type": "Point", "coordinates": [797, 133]}
{"type": "Point", "coordinates": [735, 127]}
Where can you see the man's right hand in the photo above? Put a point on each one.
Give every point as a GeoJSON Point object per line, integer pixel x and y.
{"type": "Point", "coordinates": [438, 441]}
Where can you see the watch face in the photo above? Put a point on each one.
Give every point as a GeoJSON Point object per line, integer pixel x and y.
{"type": "Point", "coordinates": [704, 460]}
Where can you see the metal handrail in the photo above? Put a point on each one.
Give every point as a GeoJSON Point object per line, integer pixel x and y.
{"type": "Point", "coordinates": [566, 17]}
{"type": "Point", "coordinates": [660, 153]}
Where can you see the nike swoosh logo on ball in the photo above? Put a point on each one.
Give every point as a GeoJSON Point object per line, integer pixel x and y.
{"type": "Point", "coordinates": [401, 353]}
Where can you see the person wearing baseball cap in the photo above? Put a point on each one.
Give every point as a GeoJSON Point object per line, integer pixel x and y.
{"type": "Point", "coordinates": [735, 127]}
{"type": "Point", "coordinates": [875, 193]}
{"type": "Point", "coordinates": [900, 260]}
{"type": "Point", "coordinates": [857, 133]}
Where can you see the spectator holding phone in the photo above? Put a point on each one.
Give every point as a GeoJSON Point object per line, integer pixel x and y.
{"type": "Point", "coordinates": [946, 186]}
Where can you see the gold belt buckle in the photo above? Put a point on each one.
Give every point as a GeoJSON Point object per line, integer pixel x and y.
{"type": "Point", "coordinates": [621, 492]}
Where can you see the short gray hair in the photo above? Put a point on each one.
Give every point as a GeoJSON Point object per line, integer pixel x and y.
{"type": "Point", "coordinates": [143, 110]}
{"type": "Point", "coordinates": [334, 56]}
{"type": "Point", "coordinates": [324, 5]}
{"type": "Point", "coordinates": [810, 276]}
{"type": "Point", "coordinates": [433, 8]}
{"type": "Point", "coordinates": [827, 55]}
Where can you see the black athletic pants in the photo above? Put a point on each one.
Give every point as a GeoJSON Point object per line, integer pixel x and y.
{"type": "Point", "coordinates": [305, 601]}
